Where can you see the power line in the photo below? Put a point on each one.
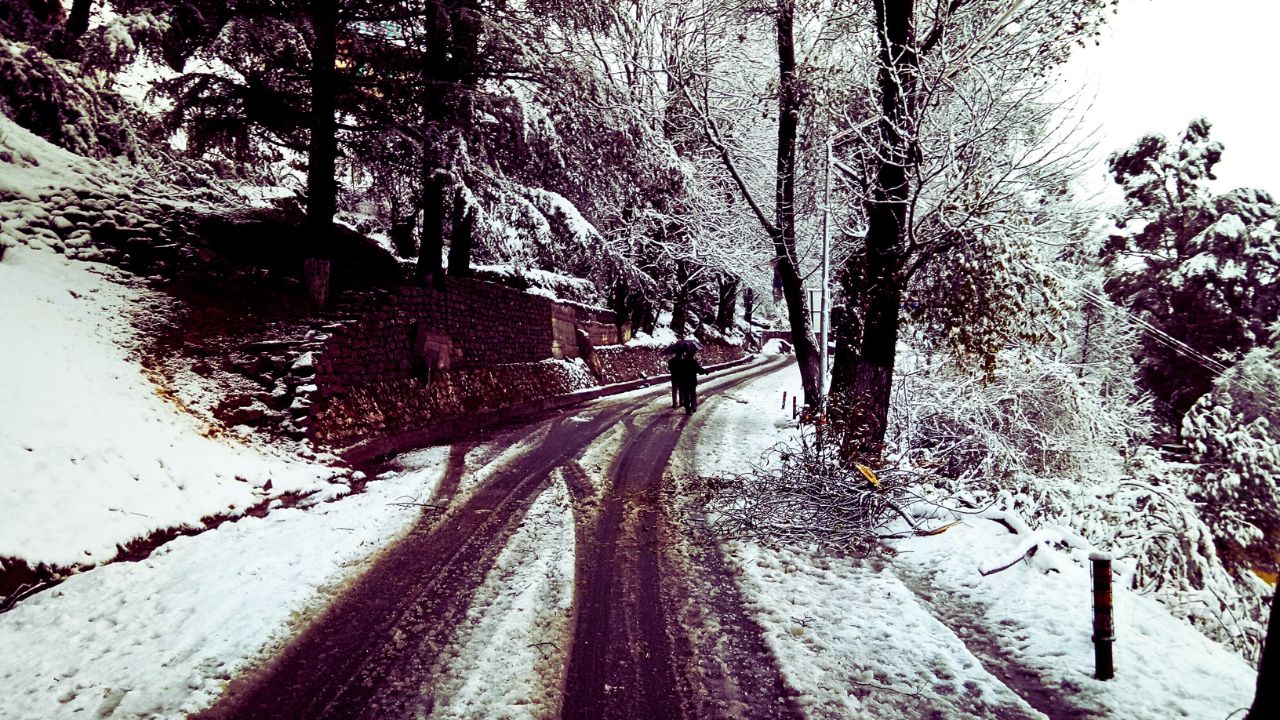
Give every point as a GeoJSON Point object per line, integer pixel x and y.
{"type": "Point", "coordinates": [1215, 366]}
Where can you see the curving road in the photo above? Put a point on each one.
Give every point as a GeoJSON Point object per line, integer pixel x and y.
{"type": "Point", "coordinates": [633, 655]}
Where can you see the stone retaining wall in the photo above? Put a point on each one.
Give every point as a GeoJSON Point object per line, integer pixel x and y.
{"type": "Point", "coordinates": [420, 356]}
{"type": "Point", "coordinates": [621, 363]}
{"type": "Point", "coordinates": [399, 406]}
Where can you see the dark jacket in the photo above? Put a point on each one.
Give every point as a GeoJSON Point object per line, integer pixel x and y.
{"type": "Point", "coordinates": [685, 371]}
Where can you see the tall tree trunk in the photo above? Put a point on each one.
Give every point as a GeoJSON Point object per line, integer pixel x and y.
{"type": "Point", "coordinates": [866, 400]}
{"type": "Point", "coordinates": [726, 301]}
{"type": "Point", "coordinates": [846, 327]}
{"type": "Point", "coordinates": [402, 231]}
{"type": "Point", "coordinates": [460, 237]}
{"type": "Point", "coordinates": [429, 269]}
{"type": "Point", "coordinates": [620, 302]}
{"type": "Point", "coordinates": [451, 67]}
{"type": "Point", "coordinates": [462, 73]}
{"type": "Point", "coordinates": [680, 302]}
{"type": "Point", "coordinates": [322, 152]}
{"type": "Point", "coordinates": [784, 239]}
{"type": "Point", "coordinates": [1266, 700]}
{"type": "Point", "coordinates": [78, 20]}
{"type": "Point", "coordinates": [748, 305]}
{"type": "Point", "coordinates": [643, 318]}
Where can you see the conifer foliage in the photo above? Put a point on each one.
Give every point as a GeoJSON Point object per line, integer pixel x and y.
{"type": "Point", "coordinates": [1201, 268]}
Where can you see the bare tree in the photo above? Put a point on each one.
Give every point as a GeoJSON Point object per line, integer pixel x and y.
{"type": "Point", "coordinates": [781, 227]}
{"type": "Point", "coordinates": [960, 162]}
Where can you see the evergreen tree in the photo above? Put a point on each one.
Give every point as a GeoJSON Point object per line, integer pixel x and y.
{"type": "Point", "coordinates": [1201, 269]}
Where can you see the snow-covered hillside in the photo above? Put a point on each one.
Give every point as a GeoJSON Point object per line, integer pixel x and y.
{"type": "Point", "coordinates": [95, 454]}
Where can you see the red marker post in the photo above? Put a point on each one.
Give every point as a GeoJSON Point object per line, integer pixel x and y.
{"type": "Point", "coordinates": [1104, 626]}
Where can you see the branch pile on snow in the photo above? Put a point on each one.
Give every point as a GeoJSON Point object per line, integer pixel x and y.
{"type": "Point", "coordinates": [802, 494]}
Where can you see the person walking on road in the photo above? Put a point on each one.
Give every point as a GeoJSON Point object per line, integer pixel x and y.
{"type": "Point", "coordinates": [685, 372]}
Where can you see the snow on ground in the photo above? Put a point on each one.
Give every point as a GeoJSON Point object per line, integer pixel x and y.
{"type": "Point", "coordinates": [926, 635]}
{"type": "Point", "coordinates": [596, 460]}
{"type": "Point", "coordinates": [855, 643]}
{"type": "Point", "coordinates": [1042, 621]}
{"type": "Point", "coordinates": [510, 658]}
{"type": "Point", "coordinates": [31, 166]}
{"type": "Point", "coordinates": [774, 347]}
{"type": "Point", "coordinates": [662, 337]}
{"type": "Point", "coordinates": [93, 455]}
{"type": "Point", "coordinates": [480, 467]}
{"type": "Point", "coordinates": [160, 638]}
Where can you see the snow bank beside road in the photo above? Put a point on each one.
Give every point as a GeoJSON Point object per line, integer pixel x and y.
{"type": "Point", "coordinates": [855, 643]}
{"type": "Point", "coordinates": [1042, 622]}
{"type": "Point", "coordinates": [161, 637]}
{"type": "Point", "coordinates": [925, 635]}
{"type": "Point", "coordinates": [92, 456]}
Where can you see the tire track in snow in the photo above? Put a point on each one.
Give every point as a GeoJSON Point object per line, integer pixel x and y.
{"type": "Point", "coordinates": [370, 654]}
{"type": "Point", "coordinates": [630, 659]}
{"type": "Point", "coordinates": [732, 670]}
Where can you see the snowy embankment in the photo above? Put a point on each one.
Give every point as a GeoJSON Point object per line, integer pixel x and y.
{"type": "Point", "coordinates": [161, 637]}
{"type": "Point", "coordinates": [921, 633]}
{"type": "Point", "coordinates": [94, 455]}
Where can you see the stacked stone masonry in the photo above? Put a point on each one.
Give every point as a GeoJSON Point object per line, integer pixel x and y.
{"type": "Point", "coordinates": [621, 363]}
{"type": "Point", "coordinates": [423, 355]}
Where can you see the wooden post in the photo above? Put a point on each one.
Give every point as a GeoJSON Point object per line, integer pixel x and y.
{"type": "Point", "coordinates": [784, 399]}
{"type": "Point", "coordinates": [1104, 628]}
{"type": "Point", "coordinates": [794, 411]}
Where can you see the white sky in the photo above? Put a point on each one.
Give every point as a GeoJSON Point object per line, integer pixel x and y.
{"type": "Point", "coordinates": [1163, 62]}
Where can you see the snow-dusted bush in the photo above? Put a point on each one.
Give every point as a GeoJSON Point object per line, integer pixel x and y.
{"type": "Point", "coordinates": [1143, 515]}
{"type": "Point", "coordinates": [1036, 415]}
{"type": "Point", "coordinates": [55, 100]}
{"type": "Point", "coordinates": [1066, 447]}
{"type": "Point", "coordinates": [108, 48]}
{"type": "Point", "coordinates": [1249, 388]}
{"type": "Point", "coordinates": [29, 21]}
{"type": "Point", "coordinates": [1236, 483]}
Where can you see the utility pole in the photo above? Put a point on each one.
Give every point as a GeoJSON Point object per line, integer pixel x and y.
{"type": "Point", "coordinates": [825, 314]}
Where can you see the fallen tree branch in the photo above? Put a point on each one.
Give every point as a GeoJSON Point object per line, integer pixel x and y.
{"type": "Point", "coordinates": [1026, 554]}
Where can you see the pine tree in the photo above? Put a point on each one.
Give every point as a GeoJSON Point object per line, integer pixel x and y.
{"type": "Point", "coordinates": [1202, 269]}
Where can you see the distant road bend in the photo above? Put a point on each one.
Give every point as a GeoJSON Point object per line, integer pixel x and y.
{"type": "Point", "coordinates": [370, 654]}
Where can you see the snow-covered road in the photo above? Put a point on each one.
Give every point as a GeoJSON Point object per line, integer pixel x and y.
{"type": "Point", "coordinates": [380, 650]}
{"type": "Point", "coordinates": [460, 586]}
